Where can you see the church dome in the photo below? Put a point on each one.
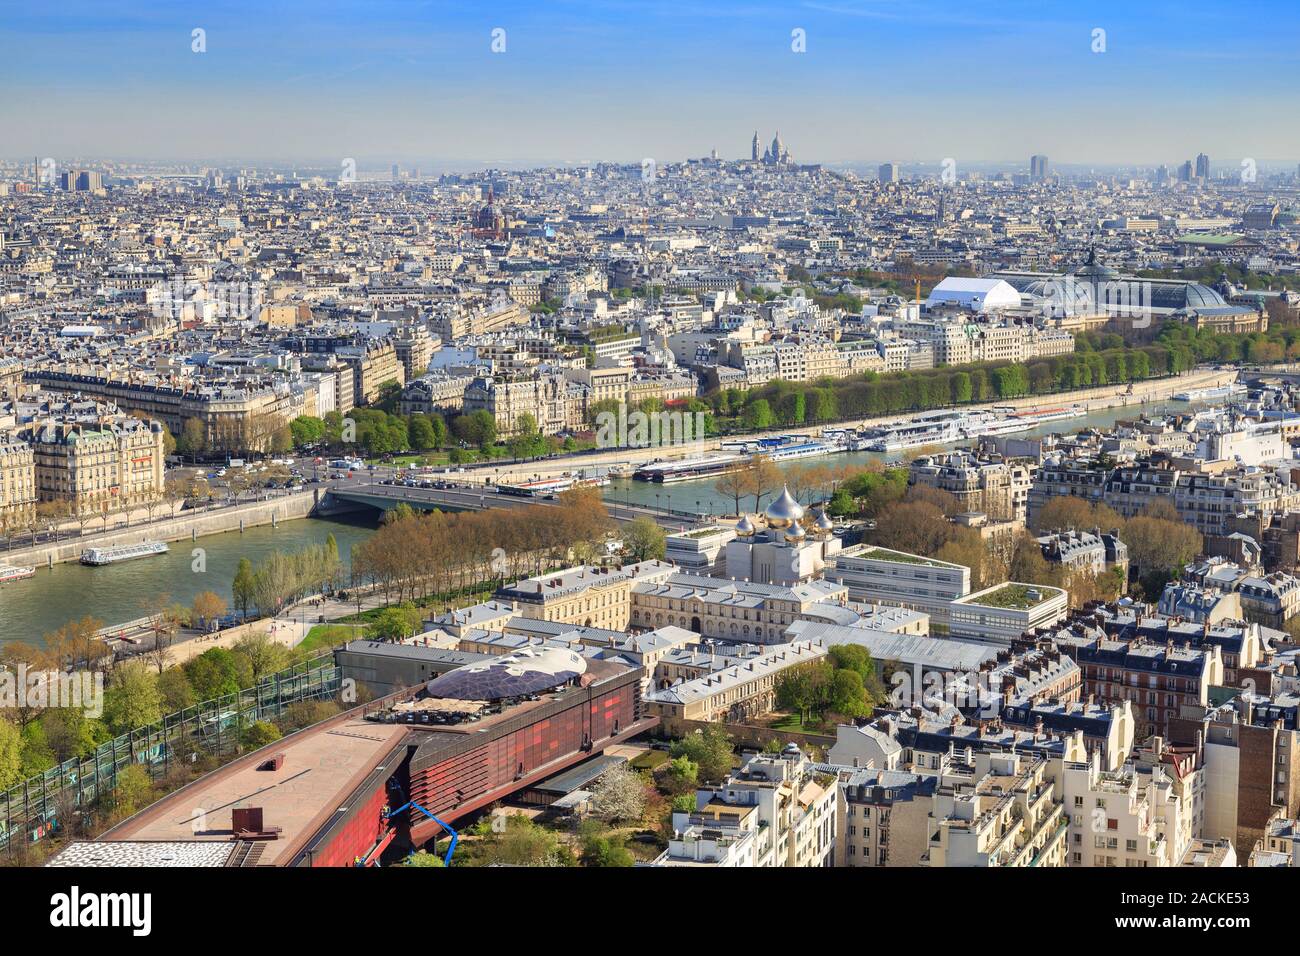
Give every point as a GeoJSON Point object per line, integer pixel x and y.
{"type": "Point", "coordinates": [795, 532]}
{"type": "Point", "coordinates": [745, 528]}
{"type": "Point", "coordinates": [784, 511]}
{"type": "Point", "coordinates": [824, 522]}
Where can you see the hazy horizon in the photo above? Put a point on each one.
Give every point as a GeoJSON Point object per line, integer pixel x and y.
{"type": "Point", "coordinates": [611, 81]}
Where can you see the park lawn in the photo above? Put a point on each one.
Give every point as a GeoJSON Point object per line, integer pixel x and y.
{"type": "Point", "coordinates": [649, 760]}
{"type": "Point", "coordinates": [793, 723]}
{"type": "Point", "coordinates": [324, 636]}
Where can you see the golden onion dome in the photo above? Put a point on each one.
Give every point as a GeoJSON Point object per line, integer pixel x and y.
{"type": "Point", "coordinates": [784, 511]}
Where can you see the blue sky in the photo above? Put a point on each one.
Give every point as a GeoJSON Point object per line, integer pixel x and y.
{"type": "Point", "coordinates": [417, 82]}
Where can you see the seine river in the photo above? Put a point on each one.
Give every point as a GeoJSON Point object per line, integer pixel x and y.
{"type": "Point", "coordinates": [115, 594]}
{"type": "Point", "coordinates": [701, 495]}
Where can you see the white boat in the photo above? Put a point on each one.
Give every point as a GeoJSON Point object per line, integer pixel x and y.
{"type": "Point", "coordinates": [934, 429]}
{"type": "Point", "coordinates": [16, 573]}
{"type": "Point", "coordinates": [1041, 416]}
{"type": "Point", "coordinates": [788, 451]}
{"type": "Point", "coordinates": [1207, 394]}
{"type": "Point", "coordinates": [688, 469]}
{"type": "Point", "coordinates": [101, 556]}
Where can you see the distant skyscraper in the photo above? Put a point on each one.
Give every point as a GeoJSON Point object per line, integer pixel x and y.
{"type": "Point", "coordinates": [1185, 172]}
{"type": "Point", "coordinates": [888, 172]}
{"type": "Point", "coordinates": [1037, 168]}
{"type": "Point", "coordinates": [1202, 166]}
{"type": "Point", "coordinates": [89, 181]}
{"type": "Point", "coordinates": [397, 172]}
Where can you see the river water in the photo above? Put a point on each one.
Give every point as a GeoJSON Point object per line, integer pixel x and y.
{"type": "Point", "coordinates": [702, 497]}
{"type": "Point", "coordinates": [115, 594]}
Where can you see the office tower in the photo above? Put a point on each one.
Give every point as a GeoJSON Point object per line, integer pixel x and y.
{"type": "Point", "coordinates": [397, 172]}
{"type": "Point", "coordinates": [68, 181]}
{"type": "Point", "coordinates": [1185, 172]}
{"type": "Point", "coordinates": [89, 181]}
{"type": "Point", "coordinates": [1202, 167]}
{"type": "Point", "coordinates": [1037, 168]}
{"type": "Point", "coordinates": [888, 172]}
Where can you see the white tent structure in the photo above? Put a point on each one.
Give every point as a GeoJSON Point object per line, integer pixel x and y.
{"type": "Point", "coordinates": [978, 295]}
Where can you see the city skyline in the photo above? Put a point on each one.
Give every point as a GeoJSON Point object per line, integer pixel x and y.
{"type": "Point", "coordinates": [435, 84]}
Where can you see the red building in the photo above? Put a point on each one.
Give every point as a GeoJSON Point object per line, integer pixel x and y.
{"type": "Point", "coordinates": [323, 796]}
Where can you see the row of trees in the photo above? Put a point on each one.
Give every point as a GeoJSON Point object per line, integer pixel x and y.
{"type": "Point", "coordinates": [874, 394]}
{"type": "Point", "coordinates": [285, 577]}
{"type": "Point", "coordinates": [414, 554]}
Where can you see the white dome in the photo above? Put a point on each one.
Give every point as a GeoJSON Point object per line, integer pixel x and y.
{"type": "Point", "coordinates": [745, 527]}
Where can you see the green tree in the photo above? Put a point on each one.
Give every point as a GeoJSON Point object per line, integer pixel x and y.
{"type": "Point", "coordinates": [306, 430]}
{"type": "Point", "coordinates": [244, 587]}
{"type": "Point", "coordinates": [846, 694]}
{"type": "Point", "coordinates": [259, 734]}
{"type": "Point", "coordinates": [421, 432]}
{"type": "Point", "coordinates": [11, 754]}
{"type": "Point", "coordinates": [680, 775]}
{"type": "Point", "coordinates": [709, 749]}
{"type": "Point", "coordinates": [758, 415]}
{"type": "Point", "coordinates": [132, 699]}
{"type": "Point", "coordinates": [395, 623]}
{"type": "Point", "coordinates": [645, 539]}
{"type": "Point", "coordinates": [212, 674]}
{"type": "Point", "coordinates": [261, 655]}
{"type": "Point", "coordinates": [193, 439]}
{"type": "Point", "coordinates": [133, 789]}
{"type": "Point", "coordinates": [853, 657]}
{"type": "Point", "coordinates": [424, 858]}
{"type": "Point", "coordinates": [174, 686]}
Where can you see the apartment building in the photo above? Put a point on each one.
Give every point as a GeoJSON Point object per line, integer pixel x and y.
{"type": "Point", "coordinates": [1158, 679]}
{"type": "Point", "coordinates": [107, 465]}
{"type": "Point", "coordinates": [1251, 754]}
{"type": "Point", "coordinates": [434, 393]}
{"type": "Point", "coordinates": [997, 488]}
{"type": "Point", "coordinates": [778, 810]}
{"type": "Point", "coordinates": [546, 398]}
{"type": "Point", "coordinates": [1140, 815]}
{"type": "Point", "coordinates": [1002, 811]}
{"type": "Point", "coordinates": [882, 817]}
{"type": "Point", "coordinates": [17, 481]}
{"type": "Point", "coordinates": [1088, 552]}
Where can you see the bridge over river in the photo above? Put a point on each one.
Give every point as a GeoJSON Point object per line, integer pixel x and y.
{"type": "Point", "coordinates": [373, 494]}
